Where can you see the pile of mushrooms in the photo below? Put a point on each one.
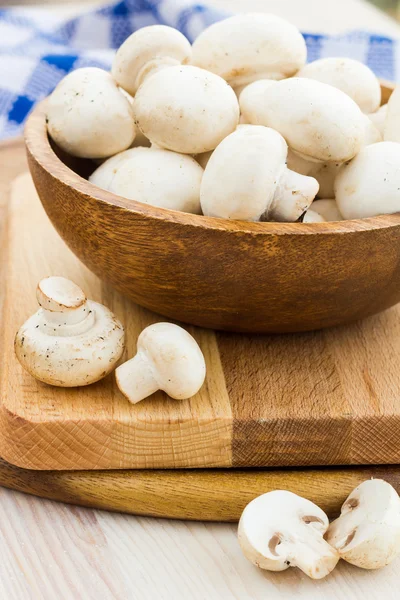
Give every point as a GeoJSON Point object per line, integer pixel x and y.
{"type": "Point", "coordinates": [279, 530]}
{"type": "Point", "coordinates": [235, 126]}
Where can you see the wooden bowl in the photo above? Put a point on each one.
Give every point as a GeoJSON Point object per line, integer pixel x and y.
{"type": "Point", "coordinates": [232, 275]}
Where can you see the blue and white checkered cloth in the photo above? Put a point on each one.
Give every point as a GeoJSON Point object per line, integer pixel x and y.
{"type": "Point", "coordinates": [38, 49]}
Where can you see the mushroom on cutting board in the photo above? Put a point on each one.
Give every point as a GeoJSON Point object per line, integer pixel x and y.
{"type": "Point", "coordinates": [88, 116]}
{"type": "Point", "coordinates": [186, 109]}
{"type": "Point", "coordinates": [279, 530]}
{"type": "Point", "coordinates": [369, 185]}
{"type": "Point", "coordinates": [367, 533]}
{"type": "Point", "coordinates": [168, 358]}
{"type": "Point", "coordinates": [153, 176]}
{"type": "Point", "coordinates": [318, 121]}
{"type": "Point", "coordinates": [348, 75]}
{"type": "Point", "coordinates": [327, 208]}
{"type": "Point", "coordinates": [70, 341]}
{"type": "Point", "coordinates": [252, 46]}
{"type": "Point", "coordinates": [147, 51]}
{"type": "Point", "coordinates": [246, 178]}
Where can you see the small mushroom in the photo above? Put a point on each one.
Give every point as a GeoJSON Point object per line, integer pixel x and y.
{"type": "Point", "coordinates": [88, 116]}
{"type": "Point", "coordinates": [280, 529]}
{"type": "Point", "coordinates": [153, 176]}
{"type": "Point", "coordinates": [369, 185]}
{"type": "Point", "coordinates": [168, 358]}
{"type": "Point", "coordinates": [252, 46]}
{"type": "Point", "coordinates": [147, 51]}
{"type": "Point", "coordinates": [246, 178]}
{"type": "Point", "coordinates": [186, 109]}
{"type": "Point", "coordinates": [391, 130]}
{"type": "Point", "coordinates": [367, 533]}
{"type": "Point", "coordinates": [348, 75]}
{"type": "Point", "coordinates": [311, 216]}
{"type": "Point", "coordinates": [70, 341]}
{"type": "Point", "coordinates": [324, 173]}
{"type": "Point", "coordinates": [326, 208]}
{"type": "Point", "coordinates": [318, 121]}
{"type": "Point", "coordinates": [378, 119]}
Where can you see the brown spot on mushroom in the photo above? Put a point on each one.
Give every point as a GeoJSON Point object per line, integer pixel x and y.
{"type": "Point", "coordinates": [311, 519]}
{"type": "Point", "coordinates": [273, 543]}
{"type": "Point", "coordinates": [349, 539]}
{"type": "Point", "coordinates": [352, 503]}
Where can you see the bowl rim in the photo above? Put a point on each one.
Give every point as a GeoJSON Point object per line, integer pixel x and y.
{"type": "Point", "coordinates": [38, 145]}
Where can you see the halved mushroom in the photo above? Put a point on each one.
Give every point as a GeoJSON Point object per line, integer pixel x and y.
{"type": "Point", "coordinates": [70, 341]}
{"type": "Point", "coordinates": [319, 122]}
{"type": "Point", "coordinates": [145, 52]}
{"type": "Point", "coordinates": [369, 185]}
{"type": "Point", "coordinates": [168, 358]}
{"type": "Point", "coordinates": [348, 75]}
{"type": "Point", "coordinates": [251, 46]}
{"type": "Point", "coordinates": [186, 109]}
{"type": "Point", "coordinates": [280, 529]}
{"type": "Point", "coordinates": [88, 116]}
{"type": "Point", "coordinates": [246, 178]}
{"type": "Point", "coordinates": [154, 176]}
{"type": "Point", "coordinates": [367, 533]}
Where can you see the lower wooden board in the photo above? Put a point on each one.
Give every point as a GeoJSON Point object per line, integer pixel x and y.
{"type": "Point", "coordinates": [323, 398]}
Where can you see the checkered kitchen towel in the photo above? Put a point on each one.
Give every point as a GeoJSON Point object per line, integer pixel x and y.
{"type": "Point", "coordinates": [37, 49]}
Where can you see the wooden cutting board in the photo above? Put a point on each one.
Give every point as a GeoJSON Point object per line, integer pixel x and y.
{"type": "Point", "coordinates": [323, 398]}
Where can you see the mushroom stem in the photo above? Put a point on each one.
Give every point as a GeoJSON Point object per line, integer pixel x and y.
{"type": "Point", "coordinates": [316, 558]}
{"type": "Point", "coordinates": [135, 378]}
{"type": "Point", "coordinates": [293, 195]}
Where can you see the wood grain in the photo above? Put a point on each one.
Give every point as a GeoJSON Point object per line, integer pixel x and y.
{"type": "Point", "coordinates": [322, 398]}
{"type": "Point", "coordinates": [199, 495]}
{"type": "Point", "coordinates": [221, 274]}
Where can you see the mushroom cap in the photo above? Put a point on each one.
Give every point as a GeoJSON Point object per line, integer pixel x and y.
{"type": "Point", "coordinates": [348, 75]}
{"type": "Point", "coordinates": [88, 116]}
{"type": "Point", "coordinates": [369, 185]}
{"type": "Point", "coordinates": [367, 533]}
{"type": "Point", "coordinates": [154, 176]}
{"type": "Point", "coordinates": [243, 174]}
{"type": "Point", "coordinates": [147, 50]}
{"type": "Point", "coordinates": [327, 208]}
{"type": "Point", "coordinates": [177, 362]}
{"type": "Point", "coordinates": [251, 46]}
{"type": "Point", "coordinates": [391, 130]}
{"type": "Point", "coordinates": [186, 109]}
{"type": "Point", "coordinates": [74, 356]}
{"type": "Point", "coordinates": [318, 121]}
{"type": "Point", "coordinates": [378, 118]}
{"type": "Point", "coordinates": [312, 216]}
{"type": "Point", "coordinates": [280, 529]}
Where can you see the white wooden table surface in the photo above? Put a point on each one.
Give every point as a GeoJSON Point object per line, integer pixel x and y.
{"type": "Point", "coordinates": [51, 551]}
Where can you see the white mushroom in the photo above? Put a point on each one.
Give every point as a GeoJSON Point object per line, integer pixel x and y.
{"type": "Point", "coordinates": [391, 130]}
{"type": "Point", "coordinates": [370, 184]}
{"type": "Point", "coordinates": [348, 75]}
{"type": "Point", "coordinates": [324, 173]}
{"type": "Point", "coordinates": [372, 134]}
{"type": "Point", "coordinates": [246, 178]}
{"type": "Point", "coordinates": [327, 208]}
{"type": "Point", "coordinates": [252, 46]}
{"type": "Point", "coordinates": [154, 176]}
{"type": "Point", "coordinates": [318, 121]}
{"type": "Point", "coordinates": [147, 51]}
{"type": "Point", "coordinates": [168, 358]}
{"type": "Point", "coordinates": [280, 529]}
{"type": "Point", "coordinates": [378, 118]}
{"type": "Point", "coordinates": [186, 109]}
{"type": "Point", "coordinates": [88, 116]}
{"type": "Point", "coordinates": [311, 216]}
{"type": "Point", "coordinates": [367, 533]}
{"type": "Point", "coordinates": [70, 341]}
